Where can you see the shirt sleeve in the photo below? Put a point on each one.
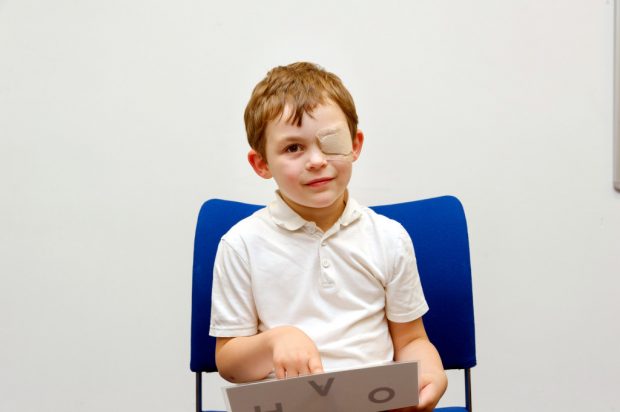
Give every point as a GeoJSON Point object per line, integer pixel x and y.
{"type": "Point", "coordinates": [233, 312]}
{"type": "Point", "coordinates": [404, 296]}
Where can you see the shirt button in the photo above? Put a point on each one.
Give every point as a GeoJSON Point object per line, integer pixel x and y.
{"type": "Point", "coordinates": [323, 243]}
{"type": "Point", "coordinates": [325, 263]}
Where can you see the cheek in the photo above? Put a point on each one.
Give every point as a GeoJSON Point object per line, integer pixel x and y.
{"type": "Point", "coordinates": [289, 172]}
{"type": "Point", "coordinates": [344, 170]}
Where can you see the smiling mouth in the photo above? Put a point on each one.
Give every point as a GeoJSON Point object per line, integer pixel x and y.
{"type": "Point", "coordinates": [319, 182]}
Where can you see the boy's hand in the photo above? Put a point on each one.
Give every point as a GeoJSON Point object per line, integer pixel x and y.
{"type": "Point", "coordinates": [431, 388]}
{"type": "Point", "coordinates": [411, 343]}
{"type": "Point", "coordinates": [294, 353]}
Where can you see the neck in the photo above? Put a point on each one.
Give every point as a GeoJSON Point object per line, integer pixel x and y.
{"type": "Point", "coordinates": [324, 217]}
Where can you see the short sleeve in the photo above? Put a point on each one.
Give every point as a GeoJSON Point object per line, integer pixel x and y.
{"type": "Point", "coordinates": [405, 300]}
{"type": "Point", "coordinates": [233, 312]}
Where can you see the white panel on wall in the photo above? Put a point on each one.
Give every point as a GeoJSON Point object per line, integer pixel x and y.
{"type": "Point", "coordinates": [616, 147]}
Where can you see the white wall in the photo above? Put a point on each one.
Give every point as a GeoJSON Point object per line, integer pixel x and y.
{"type": "Point", "coordinates": [118, 118]}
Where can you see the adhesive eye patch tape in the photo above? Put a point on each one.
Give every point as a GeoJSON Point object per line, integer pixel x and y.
{"type": "Point", "coordinates": [335, 142]}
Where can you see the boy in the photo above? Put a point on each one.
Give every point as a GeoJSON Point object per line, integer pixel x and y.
{"type": "Point", "coordinates": [314, 281]}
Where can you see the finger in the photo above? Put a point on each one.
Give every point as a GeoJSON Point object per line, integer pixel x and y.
{"type": "Point", "coordinates": [427, 398]}
{"type": "Point", "coordinates": [315, 365]}
{"type": "Point", "coordinates": [296, 366]}
{"type": "Point", "coordinates": [292, 372]}
{"type": "Point", "coordinates": [304, 369]}
{"type": "Point", "coordinates": [425, 380]}
{"type": "Point", "coordinates": [280, 372]}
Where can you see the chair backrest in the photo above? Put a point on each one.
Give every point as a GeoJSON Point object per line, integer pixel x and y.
{"type": "Point", "coordinates": [439, 233]}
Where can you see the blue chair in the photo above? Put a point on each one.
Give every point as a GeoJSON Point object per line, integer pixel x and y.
{"type": "Point", "coordinates": [438, 229]}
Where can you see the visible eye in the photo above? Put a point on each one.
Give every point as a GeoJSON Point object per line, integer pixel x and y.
{"type": "Point", "coordinates": [293, 148]}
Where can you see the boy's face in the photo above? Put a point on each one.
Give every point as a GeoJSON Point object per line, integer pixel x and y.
{"type": "Point", "coordinates": [306, 176]}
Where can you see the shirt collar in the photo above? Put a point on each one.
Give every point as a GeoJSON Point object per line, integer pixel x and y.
{"type": "Point", "coordinates": [285, 217]}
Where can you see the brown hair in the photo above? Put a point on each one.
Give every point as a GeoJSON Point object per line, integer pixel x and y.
{"type": "Point", "coordinates": [302, 86]}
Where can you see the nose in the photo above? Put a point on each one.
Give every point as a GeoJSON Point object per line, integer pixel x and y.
{"type": "Point", "coordinates": [316, 159]}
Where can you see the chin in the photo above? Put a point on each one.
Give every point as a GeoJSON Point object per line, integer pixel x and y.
{"type": "Point", "coordinates": [315, 201]}
{"type": "Point", "coordinates": [321, 204]}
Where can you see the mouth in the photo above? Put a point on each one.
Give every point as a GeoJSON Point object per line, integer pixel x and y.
{"type": "Point", "coordinates": [319, 182]}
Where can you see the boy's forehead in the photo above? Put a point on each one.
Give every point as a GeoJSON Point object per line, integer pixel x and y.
{"type": "Point", "coordinates": [325, 115]}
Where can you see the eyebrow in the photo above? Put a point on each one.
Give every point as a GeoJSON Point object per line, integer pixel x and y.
{"type": "Point", "coordinates": [292, 138]}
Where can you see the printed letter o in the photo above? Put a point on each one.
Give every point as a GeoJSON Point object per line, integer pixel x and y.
{"type": "Point", "coordinates": [390, 395]}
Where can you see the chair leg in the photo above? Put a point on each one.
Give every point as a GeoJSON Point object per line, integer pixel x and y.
{"type": "Point", "coordinates": [198, 391]}
{"type": "Point", "coordinates": [468, 390]}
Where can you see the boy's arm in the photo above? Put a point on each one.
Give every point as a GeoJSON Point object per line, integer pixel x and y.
{"type": "Point", "coordinates": [286, 350]}
{"type": "Point", "coordinates": [411, 343]}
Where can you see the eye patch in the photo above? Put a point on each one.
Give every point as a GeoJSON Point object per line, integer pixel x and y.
{"type": "Point", "coordinates": [335, 142]}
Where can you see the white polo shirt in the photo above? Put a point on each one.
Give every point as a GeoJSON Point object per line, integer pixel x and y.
{"type": "Point", "coordinates": [274, 268]}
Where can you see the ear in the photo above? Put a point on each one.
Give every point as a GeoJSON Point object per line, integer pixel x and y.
{"type": "Point", "coordinates": [259, 164]}
{"type": "Point", "coordinates": [358, 142]}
